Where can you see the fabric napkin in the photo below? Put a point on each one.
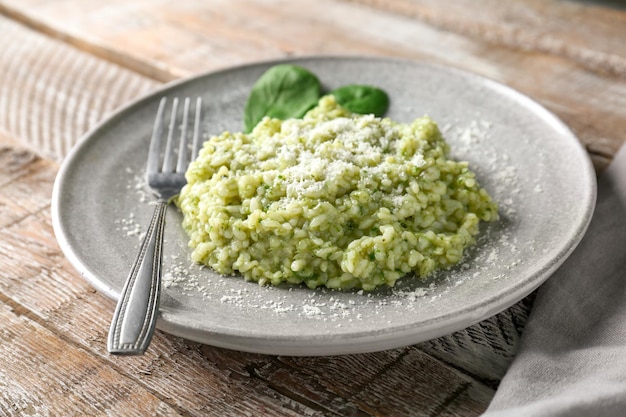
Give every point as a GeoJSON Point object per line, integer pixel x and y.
{"type": "Point", "coordinates": [572, 356]}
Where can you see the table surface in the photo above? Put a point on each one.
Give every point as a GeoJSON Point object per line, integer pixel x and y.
{"type": "Point", "coordinates": [66, 64]}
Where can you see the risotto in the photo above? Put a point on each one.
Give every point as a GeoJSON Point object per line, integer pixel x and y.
{"type": "Point", "coordinates": [334, 199]}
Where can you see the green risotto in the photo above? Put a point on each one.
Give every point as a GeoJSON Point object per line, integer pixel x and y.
{"type": "Point", "coordinates": [333, 199]}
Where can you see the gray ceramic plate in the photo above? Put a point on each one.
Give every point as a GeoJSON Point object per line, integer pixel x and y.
{"type": "Point", "coordinates": [526, 158]}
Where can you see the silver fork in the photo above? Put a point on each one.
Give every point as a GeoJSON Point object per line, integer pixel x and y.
{"type": "Point", "coordinates": [135, 316]}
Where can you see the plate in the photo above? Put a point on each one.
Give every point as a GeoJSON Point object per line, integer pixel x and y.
{"type": "Point", "coordinates": [523, 155]}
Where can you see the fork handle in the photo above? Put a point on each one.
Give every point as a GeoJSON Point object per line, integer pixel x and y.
{"type": "Point", "coordinates": [135, 316]}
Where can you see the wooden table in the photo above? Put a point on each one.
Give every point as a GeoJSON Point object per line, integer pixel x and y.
{"type": "Point", "coordinates": [66, 64]}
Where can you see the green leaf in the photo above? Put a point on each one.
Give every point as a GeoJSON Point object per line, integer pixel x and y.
{"type": "Point", "coordinates": [283, 91]}
{"type": "Point", "coordinates": [362, 99]}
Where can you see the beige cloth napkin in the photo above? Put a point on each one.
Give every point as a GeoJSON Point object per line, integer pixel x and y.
{"type": "Point", "coordinates": [572, 356]}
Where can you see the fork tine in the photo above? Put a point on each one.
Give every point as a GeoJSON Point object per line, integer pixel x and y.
{"type": "Point", "coordinates": [168, 160]}
{"type": "Point", "coordinates": [155, 141]}
{"type": "Point", "coordinates": [196, 130]}
{"type": "Point", "coordinates": [181, 165]}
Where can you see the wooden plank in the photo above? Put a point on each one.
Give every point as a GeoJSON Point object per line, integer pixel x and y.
{"type": "Point", "coordinates": [379, 384]}
{"type": "Point", "coordinates": [486, 349]}
{"type": "Point", "coordinates": [43, 375]}
{"type": "Point", "coordinates": [12, 165]}
{"type": "Point", "coordinates": [52, 93]}
{"type": "Point", "coordinates": [586, 34]}
{"type": "Point", "coordinates": [462, 396]}
{"type": "Point", "coordinates": [583, 32]}
{"type": "Point", "coordinates": [589, 97]}
{"type": "Point", "coordinates": [153, 70]}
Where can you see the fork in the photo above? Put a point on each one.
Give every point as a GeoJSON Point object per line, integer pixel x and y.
{"type": "Point", "coordinates": [135, 316]}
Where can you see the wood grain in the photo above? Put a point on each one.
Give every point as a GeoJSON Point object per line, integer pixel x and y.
{"type": "Point", "coordinates": [582, 32]}
{"type": "Point", "coordinates": [52, 93]}
{"type": "Point", "coordinates": [41, 375]}
{"type": "Point", "coordinates": [384, 379]}
{"type": "Point", "coordinates": [486, 349]}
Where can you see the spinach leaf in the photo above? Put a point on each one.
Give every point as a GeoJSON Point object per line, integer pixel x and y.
{"type": "Point", "coordinates": [283, 91]}
{"type": "Point", "coordinates": [362, 99]}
